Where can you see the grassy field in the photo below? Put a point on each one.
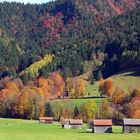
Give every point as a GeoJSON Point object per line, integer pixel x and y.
{"type": "Point", "coordinates": [32, 130]}
{"type": "Point", "coordinates": [127, 79]}
{"type": "Point", "coordinates": [75, 102]}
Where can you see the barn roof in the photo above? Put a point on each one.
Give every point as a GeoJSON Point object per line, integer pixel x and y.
{"type": "Point", "coordinates": [131, 121]}
{"type": "Point", "coordinates": [102, 122]}
{"type": "Point", "coordinates": [76, 121]}
{"type": "Point", "coordinates": [45, 118]}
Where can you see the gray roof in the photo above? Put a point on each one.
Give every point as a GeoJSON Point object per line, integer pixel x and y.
{"type": "Point", "coordinates": [131, 121]}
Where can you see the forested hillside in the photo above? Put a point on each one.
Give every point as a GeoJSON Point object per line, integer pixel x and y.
{"type": "Point", "coordinates": [82, 35]}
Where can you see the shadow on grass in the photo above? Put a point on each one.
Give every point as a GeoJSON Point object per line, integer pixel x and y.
{"type": "Point", "coordinates": [88, 97]}
{"type": "Point", "coordinates": [84, 132]}
{"type": "Point", "coordinates": [135, 72]}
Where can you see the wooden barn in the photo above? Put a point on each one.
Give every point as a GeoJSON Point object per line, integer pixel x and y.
{"type": "Point", "coordinates": [131, 125]}
{"type": "Point", "coordinates": [72, 124]}
{"type": "Point", "coordinates": [101, 126]}
{"type": "Point", "coordinates": [46, 120]}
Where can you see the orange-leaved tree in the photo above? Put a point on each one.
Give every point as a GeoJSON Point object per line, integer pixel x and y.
{"type": "Point", "coordinates": [106, 87]}
{"type": "Point", "coordinates": [134, 105]}
{"type": "Point", "coordinates": [56, 84]}
{"type": "Point", "coordinates": [43, 88]}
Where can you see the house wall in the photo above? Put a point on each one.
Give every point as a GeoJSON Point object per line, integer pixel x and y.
{"type": "Point", "coordinates": [68, 126]}
{"type": "Point", "coordinates": [130, 129]}
{"type": "Point", "coordinates": [76, 126]}
{"type": "Point", "coordinates": [102, 129]}
{"type": "Point", "coordinates": [45, 121]}
{"type": "Point", "coordinates": [49, 122]}
{"type": "Point", "coordinates": [41, 121]}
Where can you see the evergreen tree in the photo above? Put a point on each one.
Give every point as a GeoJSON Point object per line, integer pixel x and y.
{"type": "Point", "coordinates": [48, 110]}
{"type": "Point", "coordinates": [76, 112]}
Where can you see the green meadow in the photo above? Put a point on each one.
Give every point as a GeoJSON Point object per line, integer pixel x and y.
{"type": "Point", "coordinates": [74, 102]}
{"type": "Point", "coordinates": [12, 129]}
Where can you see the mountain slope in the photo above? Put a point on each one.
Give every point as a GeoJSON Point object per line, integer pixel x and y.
{"type": "Point", "coordinates": [73, 30]}
{"type": "Point", "coordinates": [10, 52]}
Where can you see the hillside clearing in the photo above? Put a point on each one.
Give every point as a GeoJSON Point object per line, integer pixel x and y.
{"type": "Point", "coordinates": [128, 79]}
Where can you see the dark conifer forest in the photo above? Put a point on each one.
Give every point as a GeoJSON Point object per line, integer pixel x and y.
{"type": "Point", "coordinates": [75, 36]}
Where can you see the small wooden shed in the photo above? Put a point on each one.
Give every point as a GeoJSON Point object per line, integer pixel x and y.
{"type": "Point", "coordinates": [72, 124]}
{"type": "Point", "coordinates": [101, 126]}
{"type": "Point", "coordinates": [131, 125]}
{"type": "Point", "coordinates": [46, 120]}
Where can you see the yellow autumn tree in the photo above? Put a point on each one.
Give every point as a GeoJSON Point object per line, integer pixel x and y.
{"type": "Point", "coordinates": [72, 93]}
{"type": "Point", "coordinates": [22, 104]}
{"type": "Point", "coordinates": [88, 110]}
{"type": "Point", "coordinates": [82, 88]}
{"type": "Point", "coordinates": [36, 104]}
{"type": "Point", "coordinates": [33, 70]}
{"type": "Point", "coordinates": [70, 87]}
{"type": "Point", "coordinates": [12, 86]}
{"type": "Point", "coordinates": [76, 87]}
{"type": "Point", "coordinates": [90, 107]}
{"type": "Point", "coordinates": [105, 111]}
